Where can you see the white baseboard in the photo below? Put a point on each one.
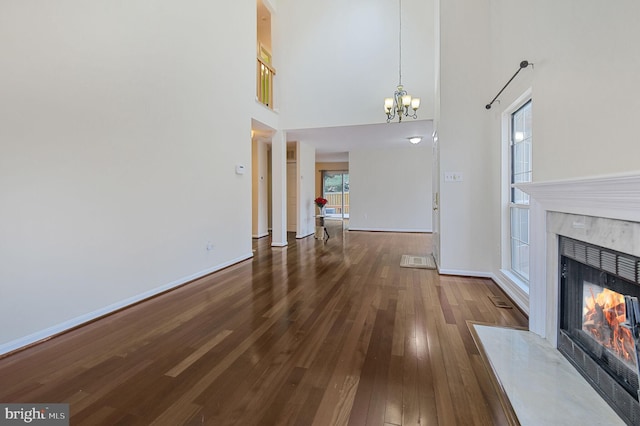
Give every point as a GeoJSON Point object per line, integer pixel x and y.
{"type": "Point", "coordinates": [83, 319]}
{"type": "Point", "coordinates": [264, 234]}
{"type": "Point", "coordinates": [464, 273]}
{"type": "Point", "coordinates": [519, 296]}
{"type": "Point", "coordinates": [279, 244]}
{"type": "Point", "coordinates": [420, 230]}
{"type": "Point", "coordinates": [304, 236]}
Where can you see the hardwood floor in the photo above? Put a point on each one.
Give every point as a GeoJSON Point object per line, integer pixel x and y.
{"type": "Point", "coordinates": [312, 334]}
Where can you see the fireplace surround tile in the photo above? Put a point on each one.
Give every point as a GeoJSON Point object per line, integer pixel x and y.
{"type": "Point", "coordinates": [619, 235]}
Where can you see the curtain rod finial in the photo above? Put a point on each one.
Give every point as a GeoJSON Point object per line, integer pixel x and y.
{"type": "Point", "coordinates": [524, 64]}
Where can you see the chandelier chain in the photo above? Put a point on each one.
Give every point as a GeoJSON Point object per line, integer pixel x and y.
{"type": "Point", "coordinates": [400, 43]}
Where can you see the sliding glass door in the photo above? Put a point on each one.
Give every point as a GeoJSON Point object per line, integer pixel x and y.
{"type": "Point", "coordinates": [335, 188]}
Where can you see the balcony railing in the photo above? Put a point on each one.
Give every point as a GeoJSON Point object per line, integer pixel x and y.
{"type": "Point", "coordinates": [335, 202]}
{"type": "Point", "coordinates": [264, 84]}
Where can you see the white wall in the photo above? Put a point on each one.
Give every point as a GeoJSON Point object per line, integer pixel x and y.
{"type": "Point", "coordinates": [585, 103]}
{"type": "Point", "coordinates": [587, 98]}
{"type": "Point", "coordinates": [467, 239]}
{"type": "Point", "coordinates": [583, 83]}
{"type": "Point", "coordinates": [118, 159]}
{"type": "Point", "coordinates": [390, 190]}
{"type": "Point", "coordinates": [341, 59]}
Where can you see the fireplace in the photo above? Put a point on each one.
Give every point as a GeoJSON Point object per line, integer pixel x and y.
{"type": "Point", "coordinates": [602, 211]}
{"type": "Point", "coordinates": [593, 333]}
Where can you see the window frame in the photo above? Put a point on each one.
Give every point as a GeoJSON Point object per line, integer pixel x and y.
{"type": "Point", "coordinates": [509, 182]}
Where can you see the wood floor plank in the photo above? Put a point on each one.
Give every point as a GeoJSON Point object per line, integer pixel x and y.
{"type": "Point", "coordinates": [438, 354]}
{"type": "Point", "coordinates": [187, 362]}
{"type": "Point", "coordinates": [321, 333]}
{"type": "Point", "coordinates": [393, 402]}
{"type": "Point", "coordinates": [382, 359]}
{"type": "Point", "coordinates": [428, 351]}
{"type": "Point", "coordinates": [337, 400]}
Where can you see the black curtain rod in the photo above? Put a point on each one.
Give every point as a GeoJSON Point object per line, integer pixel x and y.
{"type": "Point", "coordinates": [523, 64]}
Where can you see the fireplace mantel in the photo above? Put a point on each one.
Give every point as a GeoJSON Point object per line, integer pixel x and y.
{"type": "Point", "coordinates": [616, 197]}
{"type": "Point", "coordinates": [610, 197]}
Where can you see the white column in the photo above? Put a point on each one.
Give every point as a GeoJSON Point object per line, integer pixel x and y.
{"type": "Point", "coordinates": [279, 189]}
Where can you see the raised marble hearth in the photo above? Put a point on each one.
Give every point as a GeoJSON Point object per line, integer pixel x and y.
{"type": "Point", "coordinates": [542, 387]}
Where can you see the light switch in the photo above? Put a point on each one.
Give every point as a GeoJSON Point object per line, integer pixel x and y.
{"type": "Point", "coordinates": [453, 177]}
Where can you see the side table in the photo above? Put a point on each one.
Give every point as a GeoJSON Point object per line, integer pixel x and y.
{"type": "Point", "coordinates": [321, 230]}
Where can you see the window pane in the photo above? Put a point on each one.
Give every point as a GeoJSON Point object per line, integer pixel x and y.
{"type": "Point", "coordinates": [521, 138]}
{"type": "Point", "coordinates": [526, 125]}
{"type": "Point", "coordinates": [522, 162]}
{"type": "Point", "coordinates": [520, 241]}
{"type": "Point", "coordinates": [519, 197]}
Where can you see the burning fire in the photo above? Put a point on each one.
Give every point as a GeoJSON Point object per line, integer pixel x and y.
{"type": "Point", "coordinates": [603, 315]}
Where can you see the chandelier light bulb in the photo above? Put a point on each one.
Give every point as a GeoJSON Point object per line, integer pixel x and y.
{"type": "Point", "coordinates": [388, 104]}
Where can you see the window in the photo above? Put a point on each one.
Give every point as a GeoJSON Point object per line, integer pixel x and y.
{"type": "Point", "coordinates": [335, 188]}
{"type": "Point", "coordinates": [519, 171]}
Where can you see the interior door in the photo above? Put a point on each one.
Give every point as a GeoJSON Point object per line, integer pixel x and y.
{"type": "Point", "coordinates": [292, 197]}
{"type": "Point", "coordinates": [436, 199]}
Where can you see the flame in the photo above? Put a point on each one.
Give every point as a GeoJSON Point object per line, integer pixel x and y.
{"type": "Point", "coordinates": [603, 316]}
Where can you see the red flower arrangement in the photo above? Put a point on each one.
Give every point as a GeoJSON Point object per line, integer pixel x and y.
{"type": "Point", "coordinates": [320, 202]}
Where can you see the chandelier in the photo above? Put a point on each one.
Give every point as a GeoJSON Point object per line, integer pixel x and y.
{"type": "Point", "coordinates": [401, 104]}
